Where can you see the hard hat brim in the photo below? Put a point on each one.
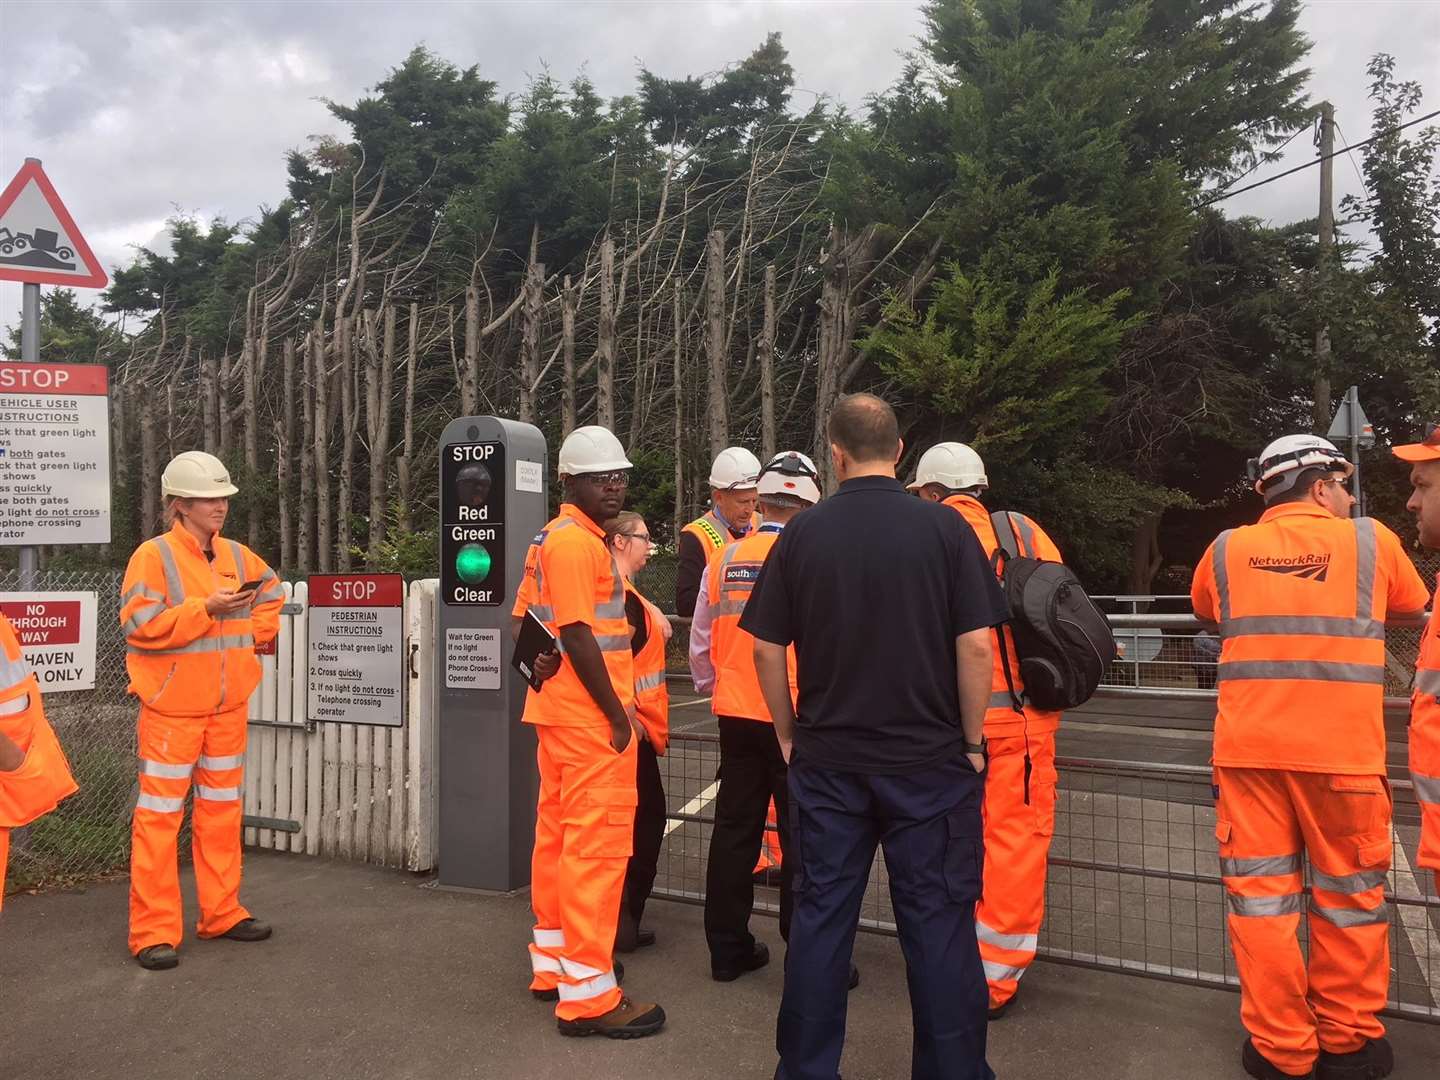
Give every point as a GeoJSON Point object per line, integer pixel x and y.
{"type": "Point", "coordinates": [222, 492]}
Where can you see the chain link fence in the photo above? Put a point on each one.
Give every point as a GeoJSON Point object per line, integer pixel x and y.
{"type": "Point", "coordinates": [88, 836]}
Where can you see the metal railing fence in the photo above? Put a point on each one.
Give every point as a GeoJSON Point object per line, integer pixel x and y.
{"type": "Point", "coordinates": [1134, 883]}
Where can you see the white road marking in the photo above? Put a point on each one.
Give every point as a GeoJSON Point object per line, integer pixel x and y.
{"type": "Point", "coordinates": [694, 701]}
{"type": "Point", "coordinates": [694, 806]}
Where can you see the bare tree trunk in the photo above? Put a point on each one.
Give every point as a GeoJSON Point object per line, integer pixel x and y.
{"type": "Point", "coordinates": [172, 408]}
{"type": "Point", "coordinates": [834, 339]}
{"type": "Point", "coordinates": [379, 381]}
{"type": "Point", "coordinates": [567, 345]}
{"type": "Point", "coordinates": [209, 402]}
{"type": "Point", "coordinates": [530, 335]}
{"type": "Point", "coordinates": [349, 423]}
{"type": "Point", "coordinates": [766, 349]}
{"type": "Point", "coordinates": [250, 391]}
{"type": "Point", "coordinates": [120, 450]}
{"type": "Point", "coordinates": [324, 549]}
{"type": "Point", "coordinates": [605, 354]}
{"type": "Point", "coordinates": [679, 432]}
{"type": "Point", "coordinates": [285, 439]}
{"type": "Point", "coordinates": [223, 413]}
{"type": "Point", "coordinates": [718, 419]}
{"type": "Point", "coordinates": [149, 465]}
{"type": "Point", "coordinates": [312, 365]}
{"type": "Point", "coordinates": [1146, 557]}
{"type": "Point", "coordinates": [470, 372]}
{"type": "Point", "coordinates": [407, 457]}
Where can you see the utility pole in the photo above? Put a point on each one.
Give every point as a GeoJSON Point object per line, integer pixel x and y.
{"type": "Point", "coordinates": [1323, 258]}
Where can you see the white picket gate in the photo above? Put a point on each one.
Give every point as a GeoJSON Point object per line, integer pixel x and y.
{"type": "Point", "coordinates": [349, 791]}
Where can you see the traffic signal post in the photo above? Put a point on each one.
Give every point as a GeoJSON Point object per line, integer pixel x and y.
{"type": "Point", "coordinates": [492, 504]}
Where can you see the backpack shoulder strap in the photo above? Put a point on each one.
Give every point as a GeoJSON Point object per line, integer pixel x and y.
{"type": "Point", "coordinates": [1006, 534]}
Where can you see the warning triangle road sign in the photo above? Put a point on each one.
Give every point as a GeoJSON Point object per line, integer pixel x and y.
{"type": "Point", "coordinates": [39, 241]}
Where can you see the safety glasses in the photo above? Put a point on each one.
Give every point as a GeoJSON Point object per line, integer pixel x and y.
{"type": "Point", "coordinates": [619, 478]}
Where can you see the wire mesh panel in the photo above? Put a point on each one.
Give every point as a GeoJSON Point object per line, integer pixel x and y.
{"type": "Point", "coordinates": [1134, 882]}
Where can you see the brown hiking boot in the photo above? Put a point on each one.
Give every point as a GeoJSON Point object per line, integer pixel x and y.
{"type": "Point", "coordinates": [628, 1020]}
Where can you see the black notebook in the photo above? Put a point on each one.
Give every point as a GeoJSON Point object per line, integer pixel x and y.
{"type": "Point", "coordinates": [534, 639]}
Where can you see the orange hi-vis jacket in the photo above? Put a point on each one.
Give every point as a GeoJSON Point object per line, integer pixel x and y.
{"type": "Point", "coordinates": [1301, 598]}
{"type": "Point", "coordinates": [182, 661]}
{"type": "Point", "coordinates": [1001, 717]}
{"type": "Point", "coordinates": [43, 778]}
{"type": "Point", "coordinates": [571, 578]}
{"type": "Point", "coordinates": [713, 533]}
{"type": "Point", "coordinates": [652, 699]}
{"type": "Point", "coordinates": [1425, 741]}
{"type": "Point", "coordinates": [729, 580]}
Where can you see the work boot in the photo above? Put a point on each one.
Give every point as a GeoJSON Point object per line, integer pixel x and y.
{"type": "Point", "coordinates": [1260, 1067]}
{"type": "Point", "coordinates": [630, 935]}
{"type": "Point", "coordinates": [248, 930]}
{"type": "Point", "coordinates": [628, 1020]}
{"type": "Point", "coordinates": [1372, 1061]}
{"type": "Point", "coordinates": [554, 994]}
{"type": "Point", "coordinates": [997, 1011]}
{"type": "Point", "coordinates": [758, 958]}
{"type": "Point", "coordinates": [158, 957]}
{"type": "Point", "coordinates": [854, 978]}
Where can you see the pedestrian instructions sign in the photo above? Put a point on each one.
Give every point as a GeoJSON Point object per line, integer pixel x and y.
{"type": "Point", "coordinates": [54, 454]}
{"type": "Point", "coordinates": [39, 241]}
{"type": "Point", "coordinates": [357, 649]}
{"type": "Point", "coordinates": [57, 635]}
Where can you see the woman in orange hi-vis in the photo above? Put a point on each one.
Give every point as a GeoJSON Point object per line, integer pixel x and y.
{"type": "Point", "coordinates": [1019, 807]}
{"type": "Point", "coordinates": [628, 540]}
{"type": "Point", "coordinates": [194, 605]}
{"type": "Point", "coordinates": [1424, 460]}
{"type": "Point", "coordinates": [34, 775]}
{"type": "Point", "coordinates": [583, 716]}
{"type": "Point", "coordinates": [1301, 599]}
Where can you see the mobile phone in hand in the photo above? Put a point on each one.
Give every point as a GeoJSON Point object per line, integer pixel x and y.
{"type": "Point", "coordinates": [250, 586]}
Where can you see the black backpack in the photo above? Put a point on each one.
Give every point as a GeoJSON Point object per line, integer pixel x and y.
{"type": "Point", "coordinates": [1062, 640]}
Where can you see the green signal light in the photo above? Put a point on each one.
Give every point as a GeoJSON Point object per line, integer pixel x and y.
{"type": "Point", "coordinates": [472, 563]}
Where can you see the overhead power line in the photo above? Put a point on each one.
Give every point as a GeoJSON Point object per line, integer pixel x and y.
{"type": "Point", "coordinates": [1223, 195]}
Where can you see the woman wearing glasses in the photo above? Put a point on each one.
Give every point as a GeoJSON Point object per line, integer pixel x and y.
{"type": "Point", "coordinates": [629, 543]}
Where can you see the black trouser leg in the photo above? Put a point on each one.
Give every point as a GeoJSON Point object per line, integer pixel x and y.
{"type": "Point", "coordinates": [747, 748]}
{"type": "Point", "coordinates": [649, 832]}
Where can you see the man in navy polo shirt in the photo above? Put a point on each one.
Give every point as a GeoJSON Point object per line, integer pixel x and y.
{"type": "Point", "coordinates": [889, 602]}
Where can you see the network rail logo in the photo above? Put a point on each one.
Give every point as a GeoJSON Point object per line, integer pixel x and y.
{"type": "Point", "coordinates": [1306, 567]}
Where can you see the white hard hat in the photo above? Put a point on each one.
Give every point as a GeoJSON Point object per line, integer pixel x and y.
{"type": "Point", "coordinates": [1293, 454]}
{"type": "Point", "coordinates": [790, 473]}
{"type": "Point", "coordinates": [734, 469]}
{"type": "Point", "coordinates": [592, 449]}
{"type": "Point", "coordinates": [197, 475]}
{"type": "Point", "coordinates": [952, 465]}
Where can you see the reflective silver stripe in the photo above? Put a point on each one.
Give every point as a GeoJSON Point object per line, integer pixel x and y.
{"type": "Point", "coordinates": [13, 672]}
{"type": "Point", "coordinates": [1263, 866]}
{"type": "Point", "coordinates": [238, 554]}
{"type": "Point", "coordinates": [583, 991]}
{"type": "Point", "coordinates": [1309, 670]}
{"type": "Point", "coordinates": [229, 761]}
{"type": "Point", "coordinates": [543, 612]}
{"type": "Point", "coordinates": [1345, 918]}
{"type": "Point", "coordinates": [174, 589]}
{"type": "Point", "coordinates": [613, 642]}
{"type": "Point", "coordinates": [549, 939]}
{"type": "Point", "coordinates": [209, 644]}
{"type": "Point", "coordinates": [143, 616]}
{"type": "Point", "coordinates": [540, 963]}
{"type": "Point", "coordinates": [1002, 972]}
{"type": "Point", "coordinates": [1341, 626]}
{"type": "Point", "coordinates": [728, 607]}
{"type": "Point", "coordinates": [562, 523]}
{"type": "Point", "coordinates": [1014, 942]}
{"type": "Point", "coordinates": [217, 794]}
{"type": "Point", "coordinates": [1027, 533]}
{"type": "Point", "coordinates": [614, 608]}
{"type": "Point", "coordinates": [1427, 681]}
{"type": "Point", "coordinates": [653, 681]}
{"type": "Point", "coordinates": [15, 706]}
{"type": "Point", "coordinates": [1001, 699]}
{"type": "Point", "coordinates": [1288, 904]}
{"type": "Point", "coordinates": [160, 803]}
{"type": "Point", "coordinates": [1349, 884]}
{"type": "Point", "coordinates": [576, 970]}
{"type": "Point", "coordinates": [1365, 569]}
{"type": "Point", "coordinates": [140, 590]}
{"type": "Point", "coordinates": [1427, 788]}
{"type": "Point", "coordinates": [165, 770]}
{"type": "Point", "coordinates": [269, 596]}
{"type": "Point", "coordinates": [1222, 574]}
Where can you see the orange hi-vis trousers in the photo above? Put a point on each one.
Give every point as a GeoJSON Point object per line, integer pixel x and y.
{"type": "Point", "coordinates": [4, 858]}
{"type": "Point", "coordinates": [173, 750]}
{"type": "Point", "coordinates": [1017, 845]}
{"type": "Point", "coordinates": [1265, 819]}
{"type": "Point", "coordinates": [584, 828]}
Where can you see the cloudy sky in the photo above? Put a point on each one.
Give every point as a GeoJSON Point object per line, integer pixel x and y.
{"type": "Point", "coordinates": [142, 109]}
